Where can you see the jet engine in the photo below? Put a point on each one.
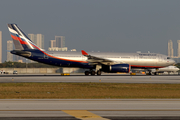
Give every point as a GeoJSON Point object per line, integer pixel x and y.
{"type": "Point", "coordinates": [125, 68]}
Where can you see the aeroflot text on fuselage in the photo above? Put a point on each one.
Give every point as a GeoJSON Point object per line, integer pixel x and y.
{"type": "Point", "coordinates": [96, 63]}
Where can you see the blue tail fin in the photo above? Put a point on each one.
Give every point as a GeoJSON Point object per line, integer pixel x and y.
{"type": "Point", "coordinates": [20, 40]}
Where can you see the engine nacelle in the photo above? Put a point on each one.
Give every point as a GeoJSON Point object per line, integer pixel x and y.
{"type": "Point", "coordinates": [125, 68]}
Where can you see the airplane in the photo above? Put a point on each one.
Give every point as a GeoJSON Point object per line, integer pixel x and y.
{"type": "Point", "coordinates": [168, 69]}
{"type": "Point", "coordinates": [96, 63]}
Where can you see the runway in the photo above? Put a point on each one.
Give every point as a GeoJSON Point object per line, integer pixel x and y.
{"type": "Point", "coordinates": [96, 109]}
{"type": "Point", "coordinates": [81, 78]}
{"type": "Point", "coordinates": [89, 109]}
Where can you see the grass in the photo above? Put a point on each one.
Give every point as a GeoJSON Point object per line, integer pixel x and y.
{"type": "Point", "coordinates": [87, 90]}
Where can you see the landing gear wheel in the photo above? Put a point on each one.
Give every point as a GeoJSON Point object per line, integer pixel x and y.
{"type": "Point", "coordinates": [98, 72]}
{"type": "Point", "coordinates": [93, 72]}
{"type": "Point", "coordinates": [150, 73]}
{"type": "Point", "coordinates": [86, 72]}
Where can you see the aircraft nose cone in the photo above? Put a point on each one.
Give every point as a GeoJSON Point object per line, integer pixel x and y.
{"type": "Point", "coordinates": [172, 61]}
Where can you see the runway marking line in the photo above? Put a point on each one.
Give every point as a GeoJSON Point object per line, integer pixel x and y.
{"type": "Point", "coordinates": [84, 115]}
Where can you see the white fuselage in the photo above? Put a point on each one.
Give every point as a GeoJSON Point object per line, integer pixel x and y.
{"type": "Point", "coordinates": [136, 60]}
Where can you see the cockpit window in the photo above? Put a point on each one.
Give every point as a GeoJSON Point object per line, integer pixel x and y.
{"type": "Point", "coordinates": [168, 57]}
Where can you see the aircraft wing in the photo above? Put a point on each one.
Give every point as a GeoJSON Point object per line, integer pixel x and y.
{"type": "Point", "coordinates": [97, 60]}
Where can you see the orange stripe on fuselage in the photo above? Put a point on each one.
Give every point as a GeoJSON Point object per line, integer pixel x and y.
{"type": "Point", "coordinates": [64, 59]}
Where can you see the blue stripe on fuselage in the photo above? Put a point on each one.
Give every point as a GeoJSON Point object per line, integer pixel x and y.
{"type": "Point", "coordinates": [39, 56]}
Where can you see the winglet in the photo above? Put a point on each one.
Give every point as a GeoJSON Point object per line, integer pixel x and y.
{"type": "Point", "coordinates": [84, 53]}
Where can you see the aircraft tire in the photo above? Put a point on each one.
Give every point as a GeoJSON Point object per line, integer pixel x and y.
{"type": "Point", "coordinates": [98, 72]}
{"type": "Point", "coordinates": [150, 73]}
{"type": "Point", "coordinates": [93, 72]}
{"type": "Point", "coordinates": [86, 72]}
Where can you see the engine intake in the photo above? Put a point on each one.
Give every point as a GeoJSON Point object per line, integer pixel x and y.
{"type": "Point", "coordinates": [125, 68]}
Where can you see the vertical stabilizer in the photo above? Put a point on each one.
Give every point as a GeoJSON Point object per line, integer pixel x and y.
{"type": "Point", "coordinates": [20, 40]}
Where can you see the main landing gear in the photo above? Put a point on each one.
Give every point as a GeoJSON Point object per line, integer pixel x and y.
{"type": "Point", "coordinates": [92, 72]}
{"type": "Point", "coordinates": [149, 72]}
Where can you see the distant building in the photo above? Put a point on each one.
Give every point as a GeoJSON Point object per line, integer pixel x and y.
{"type": "Point", "coordinates": [178, 50]}
{"type": "Point", "coordinates": [9, 48]}
{"type": "Point", "coordinates": [58, 44]}
{"type": "Point", "coordinates": [73, 50]}
{"type": "Point", "coordinates": [58, 49]}
{"type": "Point", "coordinates": [52, 43]}
{"type": "Point", "coordinates": [32, 37]}
{"type": "Point", "coordinates": [170, 49]}
{"type": "Point", "coordinates": [38, 39]}
{"type": "Point", "coordinates": [21, 61]}
{"type": "Point", "coordinates": [18, 58]}
{"type": "Point", "coordinates": [60, 41]}
{"type": "Point", "coordinates": [0, 46]}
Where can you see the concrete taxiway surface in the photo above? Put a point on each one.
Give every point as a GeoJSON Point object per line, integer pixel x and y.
{"type": "Point", "coordinates": [96, 109]}
{"type": "Point", "coordinates": [81, 78]}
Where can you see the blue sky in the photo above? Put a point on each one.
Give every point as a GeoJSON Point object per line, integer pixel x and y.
{"type": "Point", "coordinates": [97, 25]}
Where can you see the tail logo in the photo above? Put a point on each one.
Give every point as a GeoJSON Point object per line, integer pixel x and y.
{"type": "Point", "coordinates": [21, 41]}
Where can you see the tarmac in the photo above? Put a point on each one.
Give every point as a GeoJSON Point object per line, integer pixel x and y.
{"type": "Point", "coordinates": [110, 78]}
{"type": "Point", "coordinates": [90, 109]}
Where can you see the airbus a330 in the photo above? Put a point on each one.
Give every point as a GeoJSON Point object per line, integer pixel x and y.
{"type": "Point", "coordinates": [96, 63]}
